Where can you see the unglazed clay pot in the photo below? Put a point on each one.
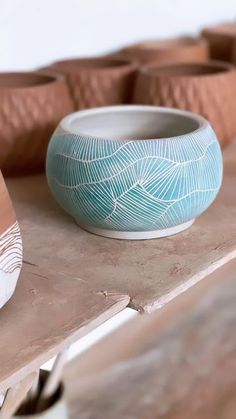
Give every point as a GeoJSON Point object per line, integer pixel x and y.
{"type": "Point", "coordinates": [98, 81]}
{"type": "Point", "coordinates": [233, 55]}
{"type": "Point", "coordinates": [56, 404]}
{"type": "Point", "coordinates": [221, 39]}
{"type": "Point", "coordinates": [168, 51]}
{"type": "Point", "coordinates": [205, 88]}
{"type": "Point", "coordinates": [31, 106]}
{"type": "Point", "coordinates": [134, 172]}
{"type": "Point", "coordinates": [10, 246]}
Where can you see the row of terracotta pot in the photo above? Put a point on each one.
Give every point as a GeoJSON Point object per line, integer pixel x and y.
{"type": "Point", "coordinates": [164, 51]}
{"type": "Point", "coordinates": [217, 42]}
{"type": "Point", "coordinates": [33, 103]}
{"type": "Point", "coordinates": [204, 88]}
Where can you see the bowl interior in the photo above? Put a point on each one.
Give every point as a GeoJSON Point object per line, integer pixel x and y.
{"type": "Point", "coordinates": [189, 69]}
{"type": "Point", "coordinates": [20, 80]}
{"type": "Point", "coordinates": [132, 124]}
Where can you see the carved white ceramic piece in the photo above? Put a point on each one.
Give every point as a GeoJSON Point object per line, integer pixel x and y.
{"type": "Point", "coordinates": [10, 246]}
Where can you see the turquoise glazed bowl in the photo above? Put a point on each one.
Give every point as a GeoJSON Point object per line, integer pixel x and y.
{"type": "Point", "coordinates": [134, 172]}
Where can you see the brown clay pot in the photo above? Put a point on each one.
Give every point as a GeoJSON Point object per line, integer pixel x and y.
{"type": "Point", "coordinates": [54, 408]}
{"type": "Point", "coordinates": [98, 81]}
{"type": "Point", "coordinates": [168, 51]}
{"type": "Point", "coordinates": [221, 39]}
{"type": "Point", "coordinates": [31, 106]}
{"type": "Point", "coordinates": [233, 55]}
{"type": "Point", "coordinates": [206, 88]}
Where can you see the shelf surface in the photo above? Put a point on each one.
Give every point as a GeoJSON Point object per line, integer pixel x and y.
{"type": "Point", "coordinates": [46, 314]}
{"type": "Point", "coordinates": [73, 281]}
{"type": "Point", "coordinates": [151, 272]}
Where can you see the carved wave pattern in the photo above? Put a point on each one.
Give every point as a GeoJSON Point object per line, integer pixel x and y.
{"type": "Point", "coordinates": [11, 250]}
{"type": "Point", "coordinates": [135, 185]}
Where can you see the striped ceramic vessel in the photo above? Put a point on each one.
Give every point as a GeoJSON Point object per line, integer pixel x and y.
{"type": "Point", "coordinates": [134, 172]}
{"type": "Point", "coordinates": [10, 246]}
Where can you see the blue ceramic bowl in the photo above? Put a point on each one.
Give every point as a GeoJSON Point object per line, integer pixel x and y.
{"type": "Point", "coordinates": [134, 172]}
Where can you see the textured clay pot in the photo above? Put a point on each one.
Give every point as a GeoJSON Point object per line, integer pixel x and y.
{"type": "Point", "coordinates": [233, 55]}
{"type": "Point", "coordinates": [168, 51]}
{"type": "Point", "coordinates": [57, 407]}
{"type": "Point", "coordinates": [30, 108]}
{"type": "Point", "coordinates": [134, 172]}
{"type": "Point", "coordinates": [98, 81]}
{"type": "Point", "coordinates": [205, 88]}
{"type": "Point", "coordinates": [221, 39]}
{"type": "Point", "coordinates": [10, 246]}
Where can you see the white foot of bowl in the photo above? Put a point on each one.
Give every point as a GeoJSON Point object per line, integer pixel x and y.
{"type": "Point", "coordinates": [138, 235]}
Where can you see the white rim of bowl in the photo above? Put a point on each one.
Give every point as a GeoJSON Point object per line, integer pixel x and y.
{"type": "Point", "coordinates": [66, 122]}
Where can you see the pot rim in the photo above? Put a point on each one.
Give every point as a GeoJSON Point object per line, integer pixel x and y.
{"type": "Point", "coordinates": [73, 65]}
{"type": "Point", "coordinates": [166, 44]}
{"type": "Point", "coordinates": [58, 398]}
{"type": "Point", "coordinates": [151, 69]}
{"type": "Point", "coordinates": [67, 121]}
{"type": "Point", "coordinates": [47, 79]}
{"type": "Point", "coordinates": [227, 29]}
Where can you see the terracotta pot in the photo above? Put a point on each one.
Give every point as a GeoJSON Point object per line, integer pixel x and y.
{"type": "Point", "coordinates": [233, 55]}
{"type": "Point", "coordinates": [221, 39]}
{"type": "Point", "coordinates": [31, 106]}
{"type": "Point", "coordinates": [168, 51]}
{"type": "Point", "coordinates": [98, 81]}
{"type": "Point", "coordinates": [205, 88]}
{"type": "Point", "coordinates": [57, 406]}
{"type": "Point", "coordinates": [10, 246]}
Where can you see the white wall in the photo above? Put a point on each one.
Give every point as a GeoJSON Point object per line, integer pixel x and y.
{"type": "Point", "coordinates": [35, 32]}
